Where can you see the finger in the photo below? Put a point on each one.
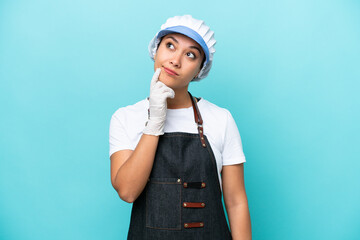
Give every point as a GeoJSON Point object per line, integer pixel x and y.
{"type": "Point", "coordinates": [160, 83]}
{"type": "Point", "coordinates": [169, 93]}
{"type": "Point", "coordinates": [155, 76]}
{"type": "Point", "coordinates": [162, 87]}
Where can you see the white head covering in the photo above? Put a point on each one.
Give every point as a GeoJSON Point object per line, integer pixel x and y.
{"type": "Point", "coordinates": [193, 28]}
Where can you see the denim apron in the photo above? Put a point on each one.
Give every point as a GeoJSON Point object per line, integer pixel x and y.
{"type": "Point", "coordinates": [182, 198]}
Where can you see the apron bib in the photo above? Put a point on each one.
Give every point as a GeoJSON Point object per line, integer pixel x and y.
{"type": "Point", "coordinates": [182, 199]}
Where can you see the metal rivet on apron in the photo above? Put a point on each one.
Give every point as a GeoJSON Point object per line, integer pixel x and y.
{"type": "Point", "coordinates": [203, 185]}
{"type": "Point", "coordinates": [184, 204]}
{"type": "Point", "coordinates": [202, 137]}
{"type": "Point", "coordinates": [201, 224]}
{"type": "Point", "coordinates": [203, 204]}
{"type": "Point", "coordinates": [179, 180]}
{"type": "Point", "coordinates": [186, 225]}
{"type": "Point", "coordinates": [203, 145]}
{"type": "Point", "coordinates": [200, 131]}
{"type": "Point", "coordinates": [185, 185]}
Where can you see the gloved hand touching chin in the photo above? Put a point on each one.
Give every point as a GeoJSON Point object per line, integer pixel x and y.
{"type": "Point", "coordinates": [159, 93]}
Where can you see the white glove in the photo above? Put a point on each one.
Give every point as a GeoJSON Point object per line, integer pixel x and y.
{"type": "Point", "coordinates": [159, 93]}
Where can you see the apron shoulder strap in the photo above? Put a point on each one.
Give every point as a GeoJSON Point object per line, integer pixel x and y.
{"type": "Point", "coordinates": [198, 120]}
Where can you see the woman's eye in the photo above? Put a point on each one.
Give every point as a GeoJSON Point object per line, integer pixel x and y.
{"type": "Point", "coordinates": [190, 54]}
{"type": "Point", "coordinates": [168, 44]}
{"type": "Point", "coordinates": [193, 55]}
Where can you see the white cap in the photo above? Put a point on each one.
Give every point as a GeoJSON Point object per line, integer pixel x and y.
{"type": "Point", "coordinates": [193, 28]}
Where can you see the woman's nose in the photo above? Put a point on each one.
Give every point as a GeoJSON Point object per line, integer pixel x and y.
{"type": "Point", "coordinates": [176, 60]}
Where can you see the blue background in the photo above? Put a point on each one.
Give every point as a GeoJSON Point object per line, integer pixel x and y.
{"type": "Point", "coordinates": [288, 71]}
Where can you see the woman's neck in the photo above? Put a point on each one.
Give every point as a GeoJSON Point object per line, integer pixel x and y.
{"type": "Point", "coordinates": [181, 100]}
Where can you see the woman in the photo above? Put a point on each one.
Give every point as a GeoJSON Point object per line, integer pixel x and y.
{"type": "Point", "coordinates": [167, 151]}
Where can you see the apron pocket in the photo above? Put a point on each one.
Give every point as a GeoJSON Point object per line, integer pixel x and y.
{"type": "Point", "coordinates": [163, 203]}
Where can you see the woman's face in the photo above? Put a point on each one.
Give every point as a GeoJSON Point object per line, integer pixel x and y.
{"type": "Point", "coordinates": [181, 55]}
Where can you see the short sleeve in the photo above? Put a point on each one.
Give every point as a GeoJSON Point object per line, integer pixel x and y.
{"type": "Point", "coordinates": [118, 137]}
{"type": "Point", "coordinates": [232, 152]}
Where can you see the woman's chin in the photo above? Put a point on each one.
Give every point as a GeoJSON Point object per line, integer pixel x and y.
{"type": "Point", "coordinates": [166, 80]}
{"type": "Point", "coordinates": [171, 82]}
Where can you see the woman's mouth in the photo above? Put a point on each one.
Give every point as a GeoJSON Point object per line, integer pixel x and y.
{"type": "Point", "coordinates": [170, 72]}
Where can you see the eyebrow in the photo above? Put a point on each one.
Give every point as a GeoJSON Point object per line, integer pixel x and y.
{"type": "Point", "coordinates": [190, 46]}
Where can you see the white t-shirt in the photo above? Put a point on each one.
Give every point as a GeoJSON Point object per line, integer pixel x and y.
{"type": "Point", "coordinates": [127, 124]}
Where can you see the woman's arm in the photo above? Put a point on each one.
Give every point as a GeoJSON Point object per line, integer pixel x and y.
{"type": "Point", "coordinates": [130, 169]}
{"type": "Point", "coordinates": [236, 201]}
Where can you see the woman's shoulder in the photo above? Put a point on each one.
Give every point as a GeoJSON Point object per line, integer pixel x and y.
{"type": "Point", "coordinates": [212, 108]}
{"type": "Point", "coordinates": [132, 109]}
{"type": "Point", "coordinates": [136, 107]}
